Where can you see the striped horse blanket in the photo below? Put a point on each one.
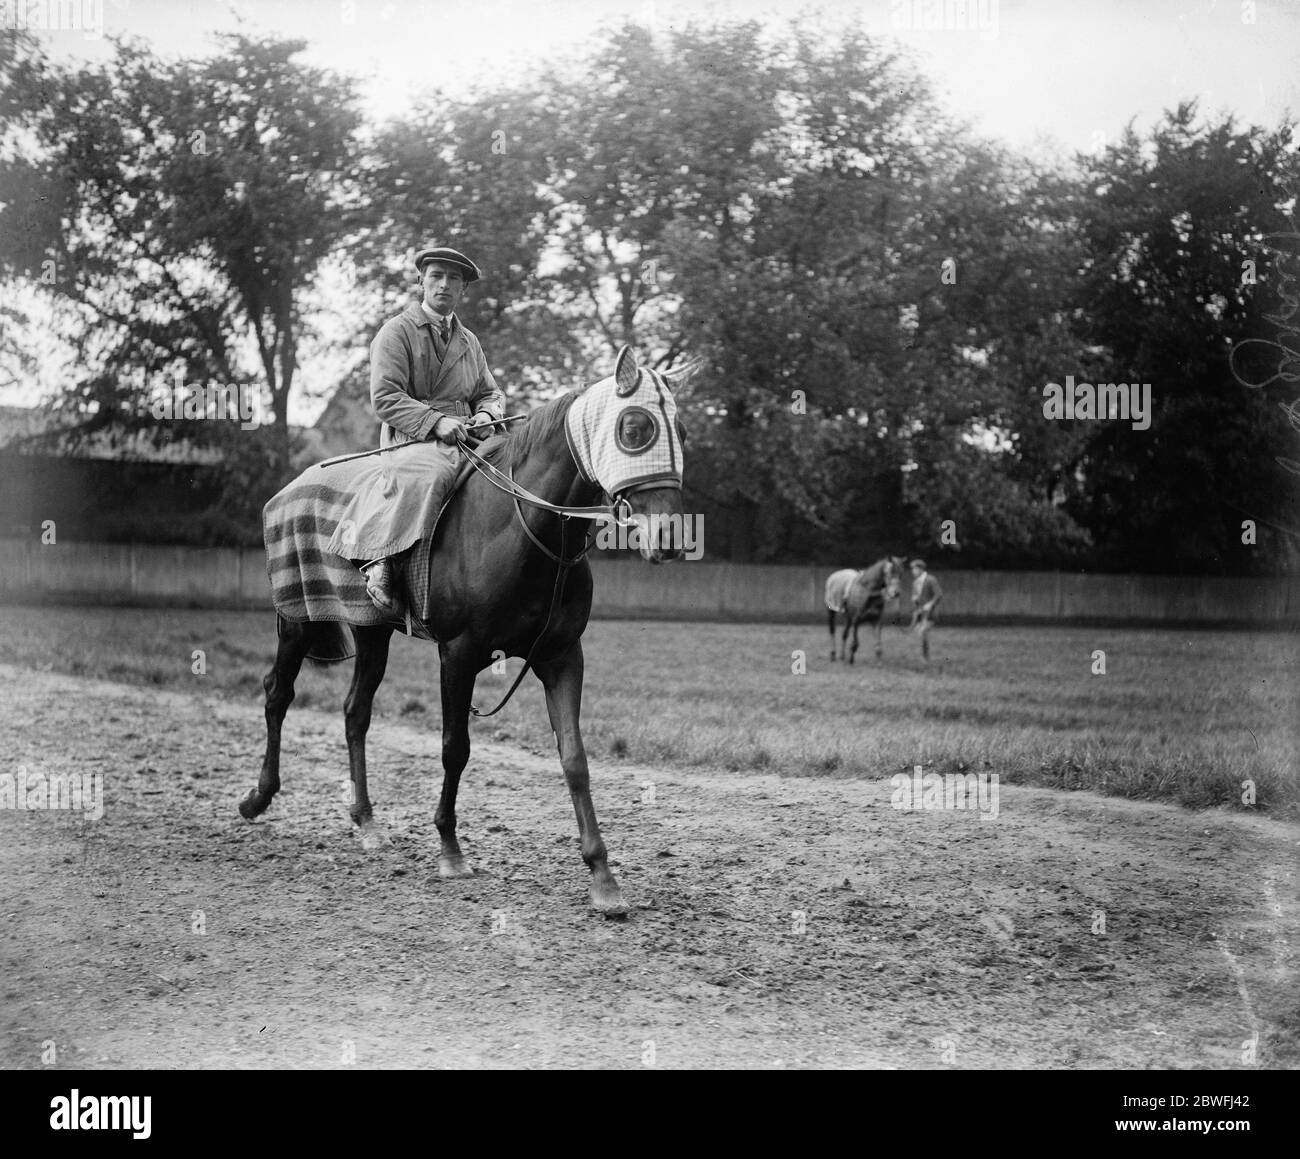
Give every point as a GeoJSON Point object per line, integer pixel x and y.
{"type": "Point", "coordinates": [309, 581]}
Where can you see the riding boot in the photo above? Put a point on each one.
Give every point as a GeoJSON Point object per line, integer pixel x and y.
{"type": "Point", "coordinates": [381, 585]}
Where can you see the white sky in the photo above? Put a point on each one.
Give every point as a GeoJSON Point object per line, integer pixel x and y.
{"type": "Point", "coordinates": [1043, 75]}
{"type": "Point", "coordinates": [1060, 68]}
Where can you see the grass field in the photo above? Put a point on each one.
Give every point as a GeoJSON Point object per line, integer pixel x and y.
{"type": "Point", "coordinates": [1178, 715]}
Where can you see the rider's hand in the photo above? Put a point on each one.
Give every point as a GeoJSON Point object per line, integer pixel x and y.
{"type": "Point", "coordinates": [478, 428]}
{"type": "Point", "coordinates": [448, 429]}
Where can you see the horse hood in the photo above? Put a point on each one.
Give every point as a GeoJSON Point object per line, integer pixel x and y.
{"type": "Point", "coordinates": [623, 431]}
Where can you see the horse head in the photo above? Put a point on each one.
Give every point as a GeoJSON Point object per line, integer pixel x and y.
{"type": "Point", "coordinates": [893, 576]}
{"type": "Point", "coordinates": [625, 436]}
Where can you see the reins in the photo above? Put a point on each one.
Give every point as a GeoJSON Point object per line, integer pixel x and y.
{"type": "Point", "coordinates": [506, 482]}
{"type": "Point", "coordinates": [560, 573]}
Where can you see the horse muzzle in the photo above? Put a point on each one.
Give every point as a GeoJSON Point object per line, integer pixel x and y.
{"type": "Point", "coordinates": [657, 526]}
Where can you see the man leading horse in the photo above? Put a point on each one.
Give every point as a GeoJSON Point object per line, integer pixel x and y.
{"type": "Point", "coordinates": [430, 387]}
{"type": "Point", "coordinates": [860, 595]}
{"type": "Point", "coordinates": [926, 594]}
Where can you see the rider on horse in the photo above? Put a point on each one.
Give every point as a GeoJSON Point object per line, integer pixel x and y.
{"type": "Point", "coordinates": [429, 385]}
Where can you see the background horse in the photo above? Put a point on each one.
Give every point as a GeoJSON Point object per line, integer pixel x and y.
{"type": "Point", "coordinates": [508, 579]}
{"type": "Point", "coordinates": [861, 595]}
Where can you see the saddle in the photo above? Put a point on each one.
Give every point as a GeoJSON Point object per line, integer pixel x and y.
{"type": "Point", "coordinates": [414, 567]}
{"type": "Point", "coordinates": [310, 582]}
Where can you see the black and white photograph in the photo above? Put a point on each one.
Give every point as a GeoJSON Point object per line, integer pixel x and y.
{"type": "Point", "coordinates": [650, 536]}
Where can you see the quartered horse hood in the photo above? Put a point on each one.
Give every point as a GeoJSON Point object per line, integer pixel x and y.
{"type": "Point", "coordinates": [623, 430]}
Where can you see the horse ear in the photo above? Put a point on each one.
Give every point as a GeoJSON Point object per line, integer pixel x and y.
{"type": "Point", "coordinates": [626, 372]}
{"type": "Point", "coordinates": [681, 376]}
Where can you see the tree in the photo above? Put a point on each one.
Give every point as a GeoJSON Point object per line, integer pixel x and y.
{"type": "Point", "coordinates": [197, 201]}
{"type": "Point", "coordinates": [470, 173]}
{"type": "Point", "coordinates": [1174, 222]}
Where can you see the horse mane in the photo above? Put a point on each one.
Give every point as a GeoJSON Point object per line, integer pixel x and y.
{"type": "Point", "coordinates": [540, 427]}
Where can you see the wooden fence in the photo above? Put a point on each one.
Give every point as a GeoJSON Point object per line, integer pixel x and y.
{"type": "Point", "coordinates": [215, 577]}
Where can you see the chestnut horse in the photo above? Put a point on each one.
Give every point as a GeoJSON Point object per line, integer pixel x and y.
{"type": "Point", "coordinates": [506, 580]}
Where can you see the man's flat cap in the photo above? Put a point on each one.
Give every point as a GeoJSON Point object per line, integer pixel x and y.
{"type": "Point", "coordinates": [452, 258]}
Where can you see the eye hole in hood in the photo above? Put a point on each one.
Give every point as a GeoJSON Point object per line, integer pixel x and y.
{"type": "Point", "coordinates": [637, 430]}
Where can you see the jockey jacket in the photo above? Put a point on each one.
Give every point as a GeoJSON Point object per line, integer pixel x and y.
{"type": "Point", "coordinates": [411, 389]}
{"type": "Point", "coordinates": [391, 501]}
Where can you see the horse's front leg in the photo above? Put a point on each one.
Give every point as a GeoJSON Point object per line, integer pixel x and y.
{"type": "Point", "coordinates": [457, 693]}
{"type": "Point", "coordinates": [367, 673]}
{"type": "Point", "coordinates": [562, 679]}
{"type": "Point", "coordinates": [853, 649]}
{"type": "Point", "coordinates": [880, 633]}
{"type": "Point", "coordinates": [831, 620]}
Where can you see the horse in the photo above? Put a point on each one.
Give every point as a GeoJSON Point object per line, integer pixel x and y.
{"type": "Point", "coordinates": [861, 595]}
{"type": "Point", "coordinates": [503, 581]}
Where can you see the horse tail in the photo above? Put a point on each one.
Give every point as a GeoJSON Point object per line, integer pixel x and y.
{"type": "Point", "coordinates": [328, 641]}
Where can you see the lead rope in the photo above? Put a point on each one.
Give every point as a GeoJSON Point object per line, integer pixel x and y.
{"type": "Point", "coordinates": [561, 570]}
{"type": "Point", "coordinates": [560, 573]}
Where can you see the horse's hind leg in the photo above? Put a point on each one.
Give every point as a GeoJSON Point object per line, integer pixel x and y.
{"type": "Point", "coordinates": [293, 643]}
{"type": "Point", "coordinates": [853, 648]}
{"type": "Point", "coordinates": [562, 679]}
{"type": "Point", "coordinates": [831, 620]}
{"type": "Point", "coordinates": [368, 671]}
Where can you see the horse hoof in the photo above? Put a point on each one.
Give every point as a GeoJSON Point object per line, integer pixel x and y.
{"type": "Point", "coordinates": [450, 868]}
{"type": "Point", "coordinates": [609, 902]}
{"type": "Point", "coordinates": [252, 806]}
{"type": "Point", "coordinates": [374, 837]}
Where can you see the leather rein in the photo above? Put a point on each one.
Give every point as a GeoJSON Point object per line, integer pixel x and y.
{"type": "Point", "coordinates": [505, 481]}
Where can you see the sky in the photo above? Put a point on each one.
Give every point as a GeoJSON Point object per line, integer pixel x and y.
{"type": "Point", "coordinates": [1023, 70]}
{"type": "Point", "coordinates": [1047, 77]}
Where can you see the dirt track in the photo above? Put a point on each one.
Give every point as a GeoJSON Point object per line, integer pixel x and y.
{"type": "Point", "coordinates": [927, 939]}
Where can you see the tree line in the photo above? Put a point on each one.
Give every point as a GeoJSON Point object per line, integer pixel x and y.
{"type": "Point", "coordinates": [879, 298]}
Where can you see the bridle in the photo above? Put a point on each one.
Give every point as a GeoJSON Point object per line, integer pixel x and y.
{"type": "Point", "coordinates": [893, 580]}
{"type": "Point", "coordinates": [620, 510]}
{"type": "Point", "coordinates": [890, 582]}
